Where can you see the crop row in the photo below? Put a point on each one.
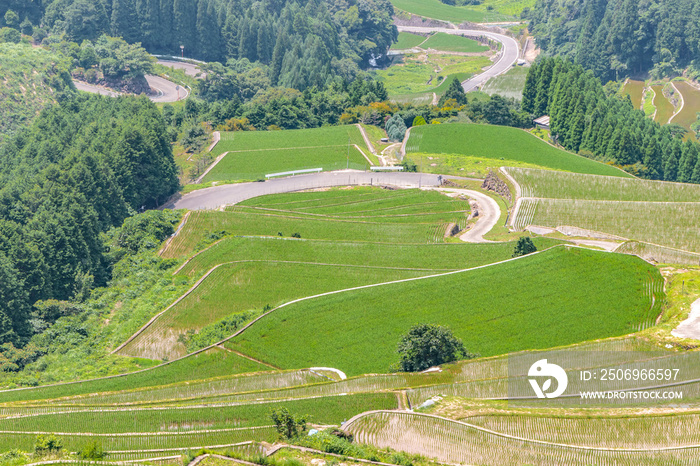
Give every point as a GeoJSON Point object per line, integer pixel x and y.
{"type": "Point", "coordinates": [235, 289]}
{"type": "Point", "coordinates": [659, 254]}
{"type": "Point", "coordinates": [325, 410]}
{"type": "Point", "coordinates": [622, 432]}
{"type": "Point", "coordinates": [539, 310]}
{"type": "Point", "coordinates": [452, 442]}
{"type": "Point", "coordinates": [438, 257]}
{"type": "Point", "coordinates": [142, 441]}
{"type": "Point", "coordinates": [564, 185]}
{"type": "Point", "coordinates": [196, 389]}
{"type": "Point", "coordinates": [663, 223]}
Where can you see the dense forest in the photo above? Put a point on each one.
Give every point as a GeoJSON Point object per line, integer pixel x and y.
{"type": "Point", "coordinates": [80, 169]}
{"type": "Point", "coordinates": [618, 38]}
{"type": "Point", "coordinates": [586, 120]}
{"type": "Point", "coordinates": [304, 42]}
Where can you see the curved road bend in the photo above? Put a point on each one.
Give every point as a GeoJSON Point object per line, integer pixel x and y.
{"type": "Point", "coordinates": [167, 91]}
{"type": "Point", "coordinates": [189, 68]}
{"type": "Point", "coordinates": [219, 196]}
{"type": "Point", "coordinates": [510, 51]}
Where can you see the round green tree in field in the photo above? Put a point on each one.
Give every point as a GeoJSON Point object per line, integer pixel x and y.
{"type": "Point", "coordinates": [427, 345]}
{"type": "Point", "coordinates": [524, 246]}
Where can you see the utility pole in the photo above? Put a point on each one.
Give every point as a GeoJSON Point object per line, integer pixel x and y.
{"type": "Point", "coordinates": [348, 158]}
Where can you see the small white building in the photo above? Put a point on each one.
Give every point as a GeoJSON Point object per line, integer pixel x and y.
{"type": "Point", "coordinates": [542, 122]}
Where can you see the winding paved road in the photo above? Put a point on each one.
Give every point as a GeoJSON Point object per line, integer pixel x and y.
{"type": "Point", "coordinates": [167, 91]}
{"type": "Point", "coordinates": [189, 68]}
{"type": "Point", "coordinates": [510, 51]}
{"type": "Point", "coordinates": [219, 196]}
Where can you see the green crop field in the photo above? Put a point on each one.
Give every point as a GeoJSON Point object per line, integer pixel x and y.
{"type": "Point", "coordinates": [562, 185]}
{"type": "Point", "coordinates": [291, 269]}
{"type": "Point", "coordinates": [539, 310]}
{"type": "Point", "coordinates": [453, 43]}
{"type": "Point", "coordinates": [469, 140]}
{"type": "Point", "coordinates": [635, 89]}
{"type": "Point", "coordinates": [510, 84]}
{"type": "Point", "coordinates": [664, 108]}
{"type": "Point", "coordinates": [407, 40]}
{"type": "Point", "coordinates": [456, 14]}
{"type": "Point", "coordinates": [236, 288]}
{"type": "Point", "coordinates": [408, 216]}
{"type": "Point", "coordinates": [462, 443]}
{"type": "Point", "coordinates": [316, 137]}
{"type": "Point", "coordinates": [427, 257]}
{"type": "Point", "coordinates": [663, 223]}
{"type": "Point", "coordinates": [250, 165]}
{"type": "Point", "coordinates": [416, 74]}
{"type": "Point", "coordinates": [330, 410]}
{"type": "Point", "coordinates": [254, 154]}
{"type": "Point", "coordinates": [691, 106]}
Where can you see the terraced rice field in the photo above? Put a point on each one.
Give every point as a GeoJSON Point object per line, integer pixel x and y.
{"type": "Point", "coordinates": [664, 108]}
{"type": "Point", "coordinates": [358, 214]}
{"type": "Point", "coordinates": [438, 10]}
{"type": "Point", "coordinates": [470, 140]}
{"type": "Point", "coordinates": [663, 223]}
{"type": "Point", "coordinates": [254, 154]}
{"type": "Point", "coordinates": [407, 40]}
{"type": "Point", "coordinates": [539, 318]}
{"type": "Point", "coordinates": [463, 443]}
{"type": "Point", "coordinates": [635, 89]}
{"type": "Point", "coordinates": [452, 43]}
{"type": "Point", "coordinates": [235, 288]}
{"type": "Point", "coordinates": [561, 185]}
{"type": "Point", "coordinates": [691, 106]}
{"type": "Point", "coordinates": [510, 84]}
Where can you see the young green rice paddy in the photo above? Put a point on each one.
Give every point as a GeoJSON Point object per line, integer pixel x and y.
{"type": "Point", "coordinates": [478, 140]}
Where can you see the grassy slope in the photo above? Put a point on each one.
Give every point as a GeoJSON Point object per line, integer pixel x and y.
{"type": "Point", "coordinates": [513, 144]}
{"type": "Point", "coordinates": [452, 43]}
{"type": "Point", "coordinates": [493, 310]}
{"type": "Point", "coordinates": [562, 185]}
{"type": "Point", "coordinates": [29, 82]}
{"type": "Point", "coordinates": [407, 40]}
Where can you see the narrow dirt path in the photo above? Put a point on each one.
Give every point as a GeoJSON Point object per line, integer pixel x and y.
{"type": "Point", "coordinates": [690, 327]}
{"type": "Point", "coordinates": [489, 213]}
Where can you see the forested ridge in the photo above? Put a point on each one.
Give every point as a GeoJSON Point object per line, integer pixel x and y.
{"type": "Point", "coordinates": [617, 38]}
{"type": "Point", "coordinates": [586, 120]}
{"type": "Point", "coordinates": [82, 168]}
{"type": "Point", "coordinates": [303, 41]}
